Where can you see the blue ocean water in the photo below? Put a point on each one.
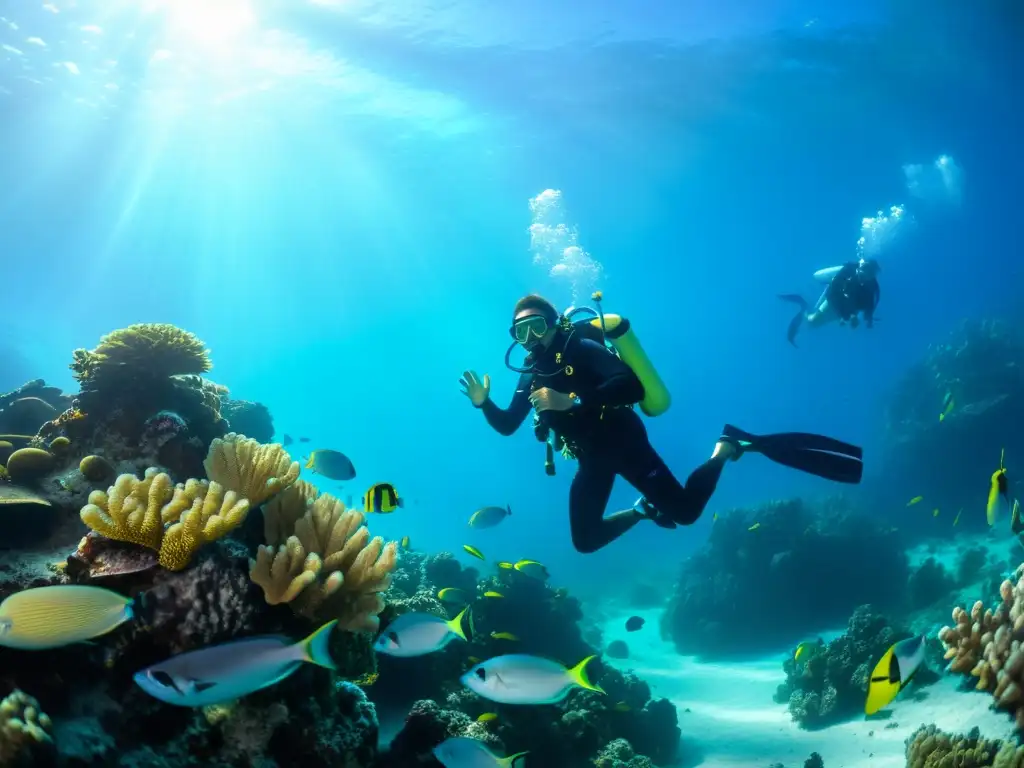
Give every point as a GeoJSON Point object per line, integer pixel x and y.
{"type": "Point", "coordinates": [344, 199]}
{"type": "Point", "coordinates": [335, 197]}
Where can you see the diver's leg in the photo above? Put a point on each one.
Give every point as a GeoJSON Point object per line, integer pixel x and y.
{"type": "Point", "coordinates": [823, 314]}
{"type": "Point", "coordinates": [588, 499]}
{"type": "Point", "coordinates": [682, 504]}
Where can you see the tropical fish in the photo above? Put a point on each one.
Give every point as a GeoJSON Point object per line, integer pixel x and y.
{"type": "Point", "coordinates": [405, 542]}
{"type": "Point", "coordinates": [417, 634]}
{"type": "Point", "coordinates": [915, 500]}
{"type": "Point", "coordinates": [714, 518]}
{"type": "Point", "coordinates": [492, 593]}
{"type": "Point", "coordinates": [463, 752]}
{"type": "Point", "coordinates": [935, 512]}
{"type": "Point", "coordinates": [488, 517]}
{"type": "Point", "coordinates": [50, 617]}
{"type": "Point", "coordinates": [382, 498]}
{"type": "Point", "coordinates": [367, 679]}
{"type": "Point", "coordinates": [622, 707]}
{"type": "Point", "coordinates": [1015, 522]}
{"type": "Point", "coordinates": [503, 636]}
{"type": "Point", "coordinates": [229, 671]}
{"type": "Point", "coordinates": [287, 440]}
{"type": "Point", "coordinates": [533, 569]}
{"type": "Point", "coordinates": [957, 518]}
{"type": "Point", "coordinates": [633, 623]}
{"type": "Point", "coordinates": [487, 717]}
{"type": "Point", "coordinates": [893, 671]}
{"type": "Point", "coordinates": [331, 464]}
{"type": "Point", "coordinates": [948, 404]}
{"type": "Point", "coordinates": [998, 492]}
{"type": "Point", "coordinates": [473, 660]}
{"type": "Point", "coordinates": [474, 551]}
{"type": "Point", "coordinates": [754, 527]}
{"type": "Point", "coordinates": [506, 565]}
{"type": "Point", "coordinates": [303, 439]}
{"type": "Point", "coordinates": [521, 679]}
{"type": "Point", "coordinates": [453, 595]}
{"type": "Point", "coordinates": [808, 648]}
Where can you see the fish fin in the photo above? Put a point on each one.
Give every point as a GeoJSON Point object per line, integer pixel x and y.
{"type": "Point", "coordinates": [456, 624]}
{"type": "Point", "coordinates": [309, 462]}
{"type": "Point", "coordinates": [518, 760]}
{"type": "Point", "coordinates": [578, 675]}
{"type": "Point", "coordinates": [315, 647]}
{"type": "Point", "coordinates": [200, 686]}
{"type": "Point", "coordinates": [400, 502]}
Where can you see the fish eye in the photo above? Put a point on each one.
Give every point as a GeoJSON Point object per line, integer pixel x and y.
{"type": "Point", "coordinates": [481, 673]}
{"type": "Point", "coordinates": [162, 678]}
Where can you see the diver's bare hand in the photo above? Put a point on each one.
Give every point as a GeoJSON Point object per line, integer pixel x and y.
{"type": "Point", "coordinates": [547, 399]}
{"type": "Point", "coordinates": [475, 388]}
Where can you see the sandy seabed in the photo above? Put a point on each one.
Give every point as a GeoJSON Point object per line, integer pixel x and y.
{"type": "Point", "coordinates": [729, 719]}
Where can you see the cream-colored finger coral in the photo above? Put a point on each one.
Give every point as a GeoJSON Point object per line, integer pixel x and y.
{"type": "Point", "coordinates": [251, 469]}
{"type": "Point", "coordinates": [25, 731]}
{"type": "Point", "coordinates": [212, 512]}
{"type": "Point", "coordinates": [131, 509]}
{"type": "Point", "coordinates": [351, 569]}
{"type": "Point", "coordinates": [282, 512]}
{"type": "Point", "coordinates": [983, 643]}
{"type": "Point", "coordinates": [285, 571]}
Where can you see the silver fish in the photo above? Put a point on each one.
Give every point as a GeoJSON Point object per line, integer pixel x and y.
{"type": "Point", "coordinates": [417, 634]}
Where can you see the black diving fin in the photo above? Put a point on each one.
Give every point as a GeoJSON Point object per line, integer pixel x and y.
{"type": "Point", "coordinates": [798, 318]}
{"type": "Point", "coordinates": [815, 454]}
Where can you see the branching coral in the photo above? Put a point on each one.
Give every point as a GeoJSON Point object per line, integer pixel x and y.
{"type": "Point", "coordinates": [155, 350]}
{"type": "Point", "coordinates": [24, 730]}
{"type": "Point", "coordinates": [928, 747]}
{"type": "Point", "coordinates": [984, 643]}
{"type": "Point", "coordinates": [251, 469]}
{"type": "Point", "coordinates": [329, 567]}
{"type": "Point", "coordinates": [173, 520]}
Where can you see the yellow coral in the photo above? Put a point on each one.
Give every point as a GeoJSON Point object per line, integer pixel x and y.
{"type": "Point", "coordinates": [249, 468]}
{"type": "Point", "coordinates": [204, 512]}
{"type": "Point", "coordinates": [282, 512]}
{"type": "Point", "coordinates": [131, 509]}
{"type": "Point", "coordinates": [172, 520]}
{"type": "Point", "coordinates": [153, 349]}
{"type": "Point", "coordinates": [24, 729]}
{"type": "Point", "coordinates": [330, 567]}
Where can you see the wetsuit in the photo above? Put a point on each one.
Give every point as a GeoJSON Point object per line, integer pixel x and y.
{"type": "Point", "coordinates": [848, 294]}
{"type": "Point", "coordinates": [607, 437]}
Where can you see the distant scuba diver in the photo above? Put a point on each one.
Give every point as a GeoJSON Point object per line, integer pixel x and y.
{"type": "Point", "coordinates": [852, 289]}
{"type": "Point", "coordinates": [583, 379]}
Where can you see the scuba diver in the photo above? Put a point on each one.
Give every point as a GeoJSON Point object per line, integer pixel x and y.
{"type": "Point", "coordinates": [584, 393]}
{"type": "Point", "coordinates": [852, 289]}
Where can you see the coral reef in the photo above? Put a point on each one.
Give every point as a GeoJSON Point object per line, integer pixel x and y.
{"type": "Point", "coordinates": [328, 567]}
{"type": "Point", "coordinates": [743, 577]}
{"type": "Point", "coordinates": [929, 747]}
{"type": "Point", "coordinates": [25, 732]}
{"type": "Point", "coordinates": [252, 419]}
{"type": "Point", "coordinates": [985, 644]}
{"type": "Point", "coordinates": [978, 366]}
{"type": "Point", "coordinates": [831, 685]}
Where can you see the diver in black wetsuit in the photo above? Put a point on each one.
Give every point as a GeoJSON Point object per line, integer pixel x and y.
{"type": "Point", "coordinates": [852, 290]}
{"type": "Point", "coordinates": [585, 394]}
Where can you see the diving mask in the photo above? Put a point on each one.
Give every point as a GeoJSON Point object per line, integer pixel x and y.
{"type": "Point", "coordinates": [530, 327]}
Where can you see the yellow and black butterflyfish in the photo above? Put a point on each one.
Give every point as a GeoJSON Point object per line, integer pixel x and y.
{"type": "Point", "coordinates": [892, 672]}
{"type": "Point", "coordinates": [382, 498]}
{"type": "Point", "coordinates": [998, 492]}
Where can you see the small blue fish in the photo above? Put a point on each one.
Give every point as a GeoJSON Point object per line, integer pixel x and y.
{"type": "Point", "coordinates": [331, 464]}
{"type": "Point", "coordinates": [232, 670]}
{"type": "Point", "coordinates": [462, 752]}
{"type": "Point", "coordinates": [521, 679]}
{"type": "Point", "coordinates": [417, 634]}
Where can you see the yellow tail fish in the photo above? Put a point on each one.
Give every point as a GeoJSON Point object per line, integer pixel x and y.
{"type": "Point", "coordinates": [998, 492]}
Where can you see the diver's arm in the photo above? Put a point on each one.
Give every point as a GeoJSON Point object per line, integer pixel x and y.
{"type": "Point", "coordinates": [876, 295]}
{"type": "Point", "coordinates": [505, 421]}
{"type": "Point", "coordinates": [616, 382]}
{"type": "Point", "coordinates": [826, 275]}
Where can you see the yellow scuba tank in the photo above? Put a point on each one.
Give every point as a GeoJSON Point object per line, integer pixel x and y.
{"type": "Point", "coordinates": [624, 340]}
